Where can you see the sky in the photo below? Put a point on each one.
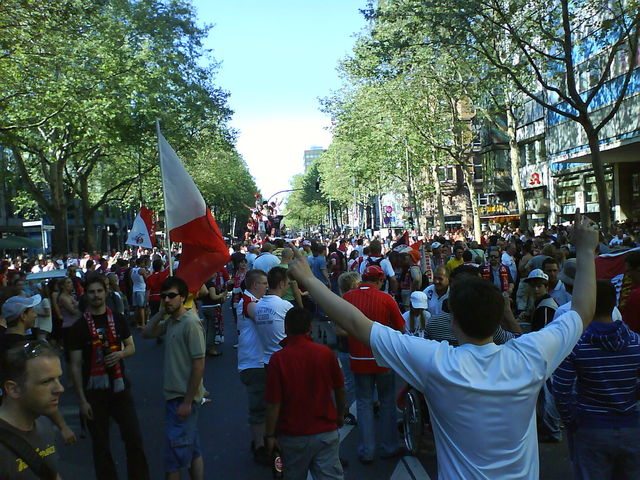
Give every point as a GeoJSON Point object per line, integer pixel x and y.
{"type": "Point", "coordinates": [277, 58]}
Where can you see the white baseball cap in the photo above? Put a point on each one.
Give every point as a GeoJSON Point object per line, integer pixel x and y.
{"type": "Point", "coordinates": [419, 299]}
{"type": "Point", "coordinates": [537, 273]}
{"type": "Point", "coordinates": [15, 306]}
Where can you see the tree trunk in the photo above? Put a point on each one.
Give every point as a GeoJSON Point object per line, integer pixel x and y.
{"type": "Point", "coordinates": [439, 206]}
{"type": "Point", "coordinates": [598, 173]}
{"type": "Point", "coordinates": [60, 234]}
{"type": "Point", "coordinates": [87, 216]}
{"type": "Point", "coordinates": [467, 173]}
{"type": "Point", "coordinates": [514, 157]}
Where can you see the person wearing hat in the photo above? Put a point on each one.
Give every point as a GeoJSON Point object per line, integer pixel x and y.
{"type": "Point", "coordinates": [382, 308]}
{"type": "Point", "coordinates": [544, 305]}
{"type": "Point", "coordinates": [20, 314]}
{"type": "Point", "coordinates": [437, 258]}
{"type": "Point", "coordinates": [418, 315]}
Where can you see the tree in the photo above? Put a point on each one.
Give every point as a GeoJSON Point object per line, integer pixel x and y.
{"type": "Point", "coordinates": [545, 51]}
{"type": "Point", "coordinates": [98, 74]}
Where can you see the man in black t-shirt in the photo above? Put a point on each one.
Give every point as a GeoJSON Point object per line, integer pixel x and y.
{"type": "Point", "coordinates": [95, 343]}
{"type": "Point", "coordinates": [30, 379]}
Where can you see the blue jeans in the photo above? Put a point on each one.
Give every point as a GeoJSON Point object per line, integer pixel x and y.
{"type": "Point", "coordinates": [349, 382]}
{"type": "Point", "coordinates": [605, 453]}
{"type": "Point", "coordinates": [388, 440]}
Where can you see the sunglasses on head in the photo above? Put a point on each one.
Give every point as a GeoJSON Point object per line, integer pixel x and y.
{"type": "Point", "coordinates": [33, 348]}
{"type": "Point", "coordinates": [169, 295]}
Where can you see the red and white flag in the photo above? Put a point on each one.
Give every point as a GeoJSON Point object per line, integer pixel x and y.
{"type": "Point", "coordinates": [189, 221]}
{"type": "Point", "coordinates": [142, 232]}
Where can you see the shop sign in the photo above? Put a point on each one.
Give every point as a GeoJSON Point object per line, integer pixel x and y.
{"type": "Point", "coordinates": [534, 176]}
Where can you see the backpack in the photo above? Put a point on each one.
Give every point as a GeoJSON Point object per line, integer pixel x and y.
{"type": "Point", "coordinates": [378, 262]}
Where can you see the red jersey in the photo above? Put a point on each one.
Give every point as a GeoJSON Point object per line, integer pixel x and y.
{"type": "Point", "coordinates": [302, 378]}
{"type": "Point", "coordinates": [379, 307]}
{"type": "Point", "coordinates": [154, 284]}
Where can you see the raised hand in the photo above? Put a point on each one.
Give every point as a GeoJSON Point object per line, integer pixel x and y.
{"type": "Point", "coordinates": [584, 233]}
{"type": "Point", "coordinates": [299, 267]}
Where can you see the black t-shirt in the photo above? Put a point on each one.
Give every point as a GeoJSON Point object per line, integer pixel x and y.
{"type": "Point", "coordinates": [80, 339]}
{"type": "Point", "coordinates": [10, 340]}
{"type": "Point", "coordinates": [41, 437]}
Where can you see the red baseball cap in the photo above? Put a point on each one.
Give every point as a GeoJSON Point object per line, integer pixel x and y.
{"type": "Point", "coordinates": [373, 272]}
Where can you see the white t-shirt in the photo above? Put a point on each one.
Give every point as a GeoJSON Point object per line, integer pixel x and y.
{"type": "Point", "coordinates": [385, 265]}
{"type": "Point", "coordinates": [139, 285]}
{"type": "Point", "coordinates": [270, 313]}
{"type": "Point", "coordinates": [250, 349]}
{"type": "Point", "coordinates": [482, 399]}
{"type": "Point", "coordinates": [435, 301]}
{"type": "Point", "coordinates": [265, 262]}
{"type": "Point", "coordinates": [560, 294]}
{"type": "Point", "coordinates": [418, 331]}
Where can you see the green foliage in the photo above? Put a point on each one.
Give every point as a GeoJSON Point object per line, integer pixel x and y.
{"type": "Point", "coordinates": [82, 86]}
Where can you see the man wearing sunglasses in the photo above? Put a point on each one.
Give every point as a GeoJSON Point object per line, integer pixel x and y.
{"type": "Point", "coordinates": [30, 380]}
{"type": "Point", "coordinates": [183, 371]}
{"type": "Point", "coordinates": [96, 344]}
{"type": "Point", "coordinates": [19, 313]}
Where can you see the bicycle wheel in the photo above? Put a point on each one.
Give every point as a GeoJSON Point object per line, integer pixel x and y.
{"type": "Point", "coordinates": [412, 421]}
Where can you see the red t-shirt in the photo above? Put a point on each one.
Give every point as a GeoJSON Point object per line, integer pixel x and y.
{"type": "Point", "coordinates": [154, 284]}
{"type": "Point", "coordinates": [379, 307]}
{"type": "Point", "coordinates": [631, 312]}
{"type": "Point", "coordinates": [302, 378]}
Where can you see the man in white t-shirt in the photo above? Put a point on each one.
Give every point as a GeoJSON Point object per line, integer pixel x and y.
{"type": "Point", "coordinates": [376, 258]}
{"type": "Point", "coordinates": [139, 276]}
{"type": "Point", "coordinates": [438, 291]}
{"type": "Point", "coordinates": [470, 390]}
{"type": "Point", "coordinates": [250, 360]}
{"type": "Point", "coordinates": [270, 312]}
{"type": "Point", "coordinates": [266, 260]}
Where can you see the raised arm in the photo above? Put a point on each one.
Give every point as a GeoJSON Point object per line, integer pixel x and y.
{"type": "Point", "coordinates": [584, 237]}
{"type": "Point", "coordinates": [339, 311]}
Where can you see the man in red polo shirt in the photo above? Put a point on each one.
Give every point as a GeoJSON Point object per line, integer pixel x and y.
{"type": "Point", "coordinates": [303, 382]}
{"type": "Point", "coordinates": [382, 308]}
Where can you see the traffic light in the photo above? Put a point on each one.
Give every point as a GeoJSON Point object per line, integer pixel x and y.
{"type": "Point", "coordinates": [318, 185]}
{"type": "Point", "coordinates": [411, 223]}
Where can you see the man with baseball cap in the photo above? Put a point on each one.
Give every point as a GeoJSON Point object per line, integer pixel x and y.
{"type": "Point", "coordinates": [382, 308]}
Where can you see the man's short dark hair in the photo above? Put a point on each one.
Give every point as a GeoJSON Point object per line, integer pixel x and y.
{"type": "Point", "coordinates": [95, 278]}
{"type": "Point", "coordinates": [375, 248]}
{"type": "Point", "coordinates": [477, 306]}
{"type": "Point", "coordinates": [89, 264]}
{"type": "Point", "coordinates": [177, 283]}
{"type": "Point", "coordinates": [13, 362]}
{"type": "Point", "coordinates": [157, 265]}
{"type": "Point", "coordinates": [140, 261]}
{"type": "Point", "coordinates": [464, 270]}
{"type": "Point", "coordinates": [467, 256]}
{"type": "Point", "coordinates": [276, 276]}
{"type": "Point", "coordinates": [297, 321]}
{"type": "Point", "coordinates": [549, 261]}
{"type": "Point", "coordinates": [605, 298]}
{"type": "Point", "coordinates": [252, 277]}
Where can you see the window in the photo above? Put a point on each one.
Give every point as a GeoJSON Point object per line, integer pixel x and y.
{"type": "Point", "coordinates": [446, 173]}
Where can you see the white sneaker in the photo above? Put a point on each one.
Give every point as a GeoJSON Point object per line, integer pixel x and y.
{"type": "Point", "coordinates": [216, 340]}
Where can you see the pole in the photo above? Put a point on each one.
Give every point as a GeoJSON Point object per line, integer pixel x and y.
{"type": "Point", "coordinates": [164, 197]}
{"type": "Point", "coordinates": [140, 179]}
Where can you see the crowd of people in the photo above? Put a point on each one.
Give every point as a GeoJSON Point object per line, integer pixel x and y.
{"type": "Point", "coordinates": [510, 339]}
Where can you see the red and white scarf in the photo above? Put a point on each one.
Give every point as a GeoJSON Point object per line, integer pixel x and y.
{"type": "Point", "coordinates": [101, 377]}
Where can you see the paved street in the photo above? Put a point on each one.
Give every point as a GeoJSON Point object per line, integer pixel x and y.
{"type": "Point", "coordinates": [224, 432]}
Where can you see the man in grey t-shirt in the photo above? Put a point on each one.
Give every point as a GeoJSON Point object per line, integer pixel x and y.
{"type": "Point", "coordinates": [183, 372]}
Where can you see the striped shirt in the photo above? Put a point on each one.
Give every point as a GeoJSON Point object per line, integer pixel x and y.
{"type": "Point", "coordinates": [439, 328]}
{"type": "Point", "coordinates": [596, 385]}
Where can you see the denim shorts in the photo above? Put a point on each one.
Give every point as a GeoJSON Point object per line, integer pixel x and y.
{"type": "Point", "coordinates": [182, 443]}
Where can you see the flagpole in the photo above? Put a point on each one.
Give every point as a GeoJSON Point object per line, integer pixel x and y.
{"type": "Point", "coordinates": [164, 198]}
